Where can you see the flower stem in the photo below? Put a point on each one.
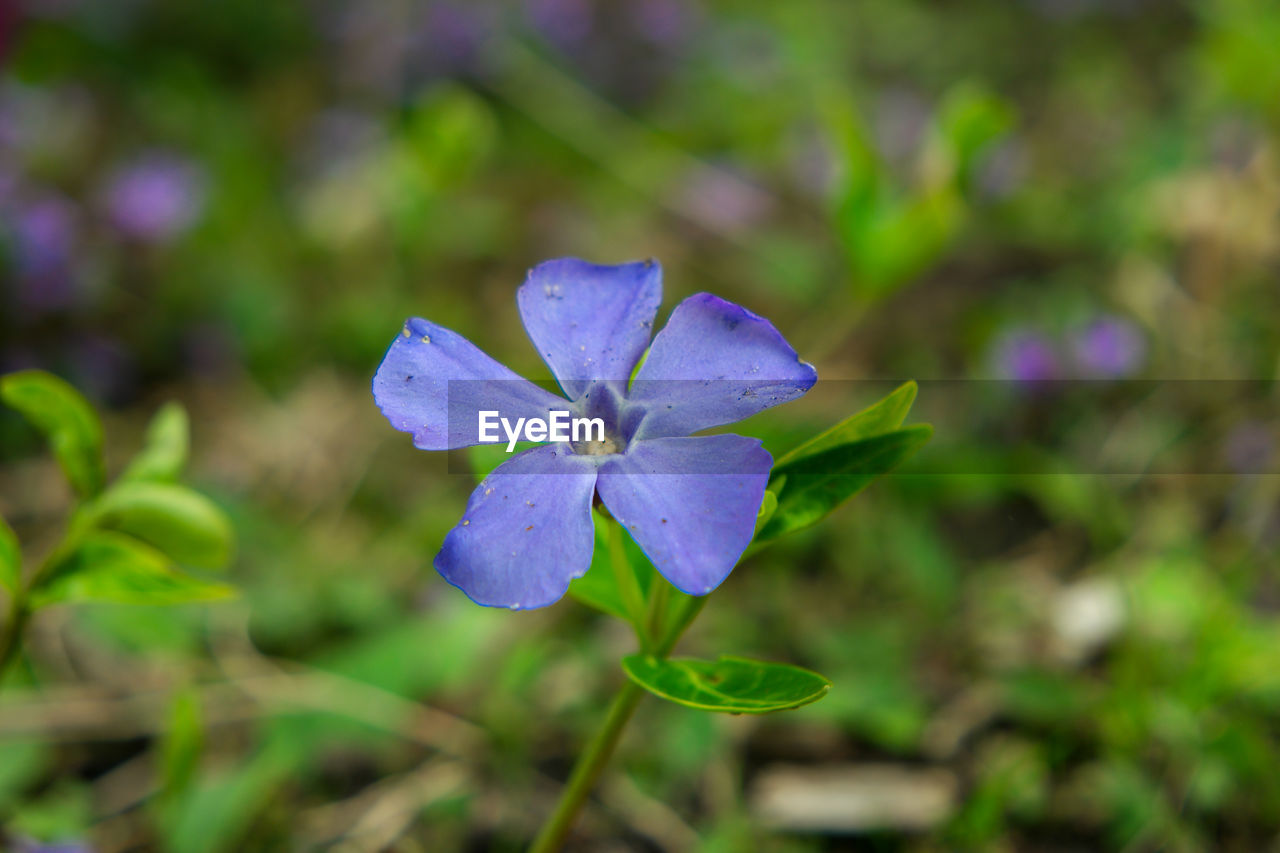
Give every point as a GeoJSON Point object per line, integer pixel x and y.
{"type": "Point", "coordinates": [593, 759]}
{"type": "Point", "coordinates": [628, 586]}
{"type": "Point", "coordinates": [20, 599]}
{"type": "Point", "coordinates": [11, 639]}
{"type": "Point", "coordinates": [587, 770]}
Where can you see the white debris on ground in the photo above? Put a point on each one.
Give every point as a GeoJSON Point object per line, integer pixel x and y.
{"type": "Point", "coordinates": [853, 798]}
{"type": "Point", "coordinates": [1084, 616]}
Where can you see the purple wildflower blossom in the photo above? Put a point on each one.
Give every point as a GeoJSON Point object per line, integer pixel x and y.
{"type": "Point", "coordinates": [43, 231]}
{"type": "Point", "coordinates": [690, 502]}
{"type": "Point", "coordinates": [156, 197]}
{"type": "Point", "coordinates": [1109, 347]}
{"type": "Point", "coordinates": [1026, 357]}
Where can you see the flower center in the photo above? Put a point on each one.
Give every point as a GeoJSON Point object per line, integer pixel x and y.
{"type": "Point", "coordinates": [606, 447]}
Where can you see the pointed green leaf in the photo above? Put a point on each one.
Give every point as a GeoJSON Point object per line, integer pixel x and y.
{"type": "Point", "coordinates": [165, 453]}
{"type": "Point", "coordinates": [884, 416]}
{"type": "Point", "coordinates": [818, 483]}
{"type": "Point", "coordinates": [10, 558]}
{"type": "Point", "coordinates": [180, 522]}
{"type": "Point", "coordinates": [113, 567]}
{"type": "Point", "coordinates": [969, 120]}
{"type": "Point", "coordinates": [731, 685]}
{"type": "Point", "coordinates": [598, 590]}
{"type": "Point", "coordinates": [67, 420]}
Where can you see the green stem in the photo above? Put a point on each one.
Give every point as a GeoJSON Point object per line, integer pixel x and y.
{"type": "Point", "coordinates": [684, 618]}
{"type": "Point", "coordinates": [628, 586]}
{"type": "Point", "coordinates": [20, 604]}
{"type": "Point", "coordinates": [11, 640]}
{"type": "Point", "coordinates": [593, 759]}
{"type": "Point", "coordinates": [587, 770]}
{"type": "Point", "coordinates": [659, 590]}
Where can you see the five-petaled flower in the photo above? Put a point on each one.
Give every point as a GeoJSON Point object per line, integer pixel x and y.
{"type": "Point", "coordinates": [690, 502]}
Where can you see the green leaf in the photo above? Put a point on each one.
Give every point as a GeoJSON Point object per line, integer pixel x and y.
{"type": "Point", "coordinates": [182, 523]}
{"type": "Point", "coordinates": [598, 589]}
{"type": "Point", "coordinates": [214, 815]}
{"type": "Point", "coordinates": [818, 483]}
{"type": "Point", "coordinates": [183, 743]}
{"type": "Point", "coordinates": [969, 120]}
{"type": "Point", "coordinates": [731, 685]}
{"type": "Point", "coordinates": [768, 505]}
{"type": "Point", "coordinates": [484, 458]}
{"type": "Point", "coordinates": [113, 567]}
{"type": "Point", "coordinates": [10, 558]}
{"type": "Point", "coordinates": [67, 420]}
{"type": "Point", "coordinates": [447, 135]}
{"type": "Point", "coordinates": [165, 453]}
{"type": "Point", "coordinates": [884, 416]}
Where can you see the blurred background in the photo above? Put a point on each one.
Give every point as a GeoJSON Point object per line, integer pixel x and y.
{"type": "Point", "coordinates": [236, 205]}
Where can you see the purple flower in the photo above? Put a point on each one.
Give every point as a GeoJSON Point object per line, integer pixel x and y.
{"type": "Point", "coordinates": [156, 197]}
{"type": "Point", "coordinates": [1026, 357]}
{"type": "Point", "coordinates": [690, 502]}
{"type": "Point", "coordinates": [43, 232]}
{"type": "Point", "coordinates": [452, 38]}
{"type": "Point", "coordinates": [1109, 347]}
{"type": "Point", "coordinates": [563, 22]}
{"type": "Point", "coordinates": [720, 197]}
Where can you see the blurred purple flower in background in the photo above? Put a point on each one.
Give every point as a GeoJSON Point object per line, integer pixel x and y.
{"type": "Point", "coordinates": [811, 159]}
{"type": "Point", "coordinates": [901, 119]}
{"type": "Point", "coordinates": [1026, 356]}
{"type": "Point", "coordinates": [1109, 347]}
{"type": "Point", "coordinates": [1002, 169]}
{"type": "Point", "coordinates": [452, 38]}
{"type": "Point", "coordinates": [562, 22]}
{"type": "Point", "coordinates": [662, 22]}
{"type": "Point", "coordinates": [720, 197]}
{"type": "Point", "coordinates": [156, 197]}
{"type": "Point", "coordinates": [42, 233]}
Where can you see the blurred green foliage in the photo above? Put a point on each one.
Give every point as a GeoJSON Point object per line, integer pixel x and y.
{"type": "Point", "coordinates": [237, 204]}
